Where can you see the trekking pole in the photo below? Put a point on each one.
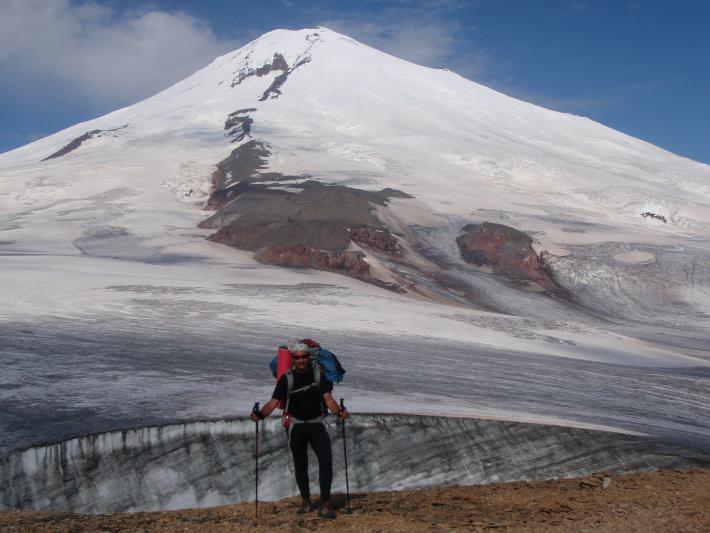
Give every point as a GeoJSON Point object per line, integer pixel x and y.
{"type": "Point", "coordinates": [345, 454]}
{"type": "Point", "coordinates": [256, 466]}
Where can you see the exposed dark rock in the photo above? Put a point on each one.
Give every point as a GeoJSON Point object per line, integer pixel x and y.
{"type": "Point", "coordinates": [350, 263]}
{"type": "Point", "coordinates": [237, 168]}
{"type": "Point", "coordinates": [73, 145]}
{"type": "Point", "coordinates": [654, 215]}
{"type": "Point", "coordinates": [319, 216]}
{"type": "Point", "coordinates": [274, 90]}
{"type": "Point", "coordinates": [239, 126]}
{"type": "Point", "coordinates": [309, 229]}
{"type": "Point", "coordinates": [76, 143]}
{"type": "Point", "coordinates": [300, 256]}
{"type": "Point", "coordinates": [319, 245]}
{"type": "Point", "coordinates": [277, 63]}
{"type": "Point", "coordinates": [375, 238]}
{"type": "Point", "coordinates": [507, 251]}
{"type": "Point", "coordinates": [246, 233]}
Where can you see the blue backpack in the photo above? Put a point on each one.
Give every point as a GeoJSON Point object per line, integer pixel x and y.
{"type": "Point", "coordinates": [327, 360]}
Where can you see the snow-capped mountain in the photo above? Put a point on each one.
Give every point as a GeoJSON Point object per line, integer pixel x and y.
{"type": "Point", "coordinates": [147, 247]}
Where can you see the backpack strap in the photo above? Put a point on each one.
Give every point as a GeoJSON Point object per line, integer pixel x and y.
{"type": "Point", "coordinates": [289, 388]}
{"type": "Point", "coordinates": [289, 382]}
{"type": "Point", "coordinates": [317, 371]}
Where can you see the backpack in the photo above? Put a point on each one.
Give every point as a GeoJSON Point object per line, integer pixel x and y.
{"type": "Point", "coordinates": [326, 359]}
{"type": "Point", "coordinates": [323, 362]}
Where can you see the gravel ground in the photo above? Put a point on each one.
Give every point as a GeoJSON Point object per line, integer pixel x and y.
{"type": "Point", "coordinates": [668, 500]}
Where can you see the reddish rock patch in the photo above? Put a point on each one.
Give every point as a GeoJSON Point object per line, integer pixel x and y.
{"type": "Point", "coordinates": [312, 228]}
{"type": "Point", "coordinates": [508, 252]}
{"type": "Point", "coordinates": [300, 256]}
{"type": "Point", "coordinates": [375, 238]}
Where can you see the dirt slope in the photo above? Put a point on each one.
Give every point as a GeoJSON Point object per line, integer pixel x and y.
{"type": "Point", "coordinates": [657, 501]}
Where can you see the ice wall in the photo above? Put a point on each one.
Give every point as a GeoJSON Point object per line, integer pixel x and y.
{"type": "Point", "coordinates": [210, 463]}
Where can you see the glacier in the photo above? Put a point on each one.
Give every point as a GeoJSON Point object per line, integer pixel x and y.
{"type": "Point", "coordinates": [208, 463]}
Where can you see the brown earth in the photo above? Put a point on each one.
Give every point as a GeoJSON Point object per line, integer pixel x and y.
{"type": "Point", "coordinates": [668, 500]}
{"type": "Point", "coordinates": [311, 225]}
{"type": "Point", "coordinates": [380, 239]}
{"type": "Point", "coordinates": [300, 256]}
{"type": "Point", "coordinates": [311, 229]}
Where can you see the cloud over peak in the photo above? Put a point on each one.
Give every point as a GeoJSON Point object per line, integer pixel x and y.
{"type": "Point", "coordinates": [98, 54]}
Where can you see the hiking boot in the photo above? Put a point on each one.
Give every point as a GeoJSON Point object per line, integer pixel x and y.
{"type": "Point", "coordinates": [326, 511]}
{"type": "Point", "coordinates": [305, 506]}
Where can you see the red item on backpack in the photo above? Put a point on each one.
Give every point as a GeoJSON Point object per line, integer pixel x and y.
{"type": "Point", "coordinates": [283, 365]}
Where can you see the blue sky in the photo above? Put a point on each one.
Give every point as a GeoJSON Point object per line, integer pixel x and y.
{"type": "Point", "coordinates": [639, 66]}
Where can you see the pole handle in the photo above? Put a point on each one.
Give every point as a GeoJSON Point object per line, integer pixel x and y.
{"type": "Point", "coordinates": [255, 408]}
{"type": "Point", "coordinates": [342, 404]}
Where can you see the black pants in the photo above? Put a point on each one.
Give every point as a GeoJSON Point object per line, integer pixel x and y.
{"type": "Point", "coordinates": [316, 434]}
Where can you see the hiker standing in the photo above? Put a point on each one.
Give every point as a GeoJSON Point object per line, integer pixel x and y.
{"type": "Point", "coordinates": [309, 390]}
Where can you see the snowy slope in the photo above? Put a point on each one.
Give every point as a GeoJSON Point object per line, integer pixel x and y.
{"type": "Point", "coordinates": [107, 233]}
{"type": "Point", "coordinates": [352, 111]}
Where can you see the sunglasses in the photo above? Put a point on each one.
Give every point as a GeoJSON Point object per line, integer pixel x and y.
{"type": "Point", "coordinates": [297, 357]}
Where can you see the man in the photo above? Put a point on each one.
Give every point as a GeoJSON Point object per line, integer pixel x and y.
{"type": "Point", "coordinates": [310, 390]}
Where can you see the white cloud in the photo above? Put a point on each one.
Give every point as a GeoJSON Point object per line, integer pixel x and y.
{"type": "Point", "coordinates": [93, 53]}
{"type": "Point", "coordinates": [417, 41]}
{"type": "Point", "coordinates": [431, 42]}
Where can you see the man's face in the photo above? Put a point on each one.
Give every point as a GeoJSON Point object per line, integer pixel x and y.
{"type": "Point", "coordinates": [300, 360]}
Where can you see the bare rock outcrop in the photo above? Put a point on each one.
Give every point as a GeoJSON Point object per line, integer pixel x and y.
{"type": "Point", "coordinates": [238, 124]}
{"type": "Point", "coordinates": [310, 225]}
{"type": "Point", "coordinates": [234, 172]}
{"type": "Point", "coordinates": [655, 216]}
{"type": "Point", "coordinates": [300, 256]}
{"type": "Point", "coordinates": [277, 63]}
{"type": "Point", "coordinates": [375, 238]}
{"type": "Point", "coordinates": [76, 143]}
{"type": "Point", "coordinates": [508, 252]}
